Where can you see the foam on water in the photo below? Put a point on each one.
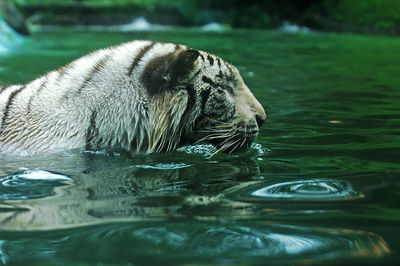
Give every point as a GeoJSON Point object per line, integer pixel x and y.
{"type": "Point", "coordinates": [213, 26]}
{"type": "Point", "coordinates": [162, 166]}
{"type": "Point", "coordinates": [30, 184]}
{"type": "Point", "coordinates": [42, 175]}
{"type": "Point", "coordinates": [140, 24]}
{"type": "Point", "coordinates": [206, 150]}
{"type": "Point", "coordinates": [9, 39]}
{"type": "Point", "coordinates": [293, 28]}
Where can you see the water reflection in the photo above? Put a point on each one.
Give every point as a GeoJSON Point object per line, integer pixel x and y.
{"type": "Point", "coordinates": [195, 242]}
{"type": "Point", "coordinates": [109, 187]}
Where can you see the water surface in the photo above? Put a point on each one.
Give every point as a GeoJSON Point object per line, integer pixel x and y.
{"type": "Point", "coordinates": [319, 185]}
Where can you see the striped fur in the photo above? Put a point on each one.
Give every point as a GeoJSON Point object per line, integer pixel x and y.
{"type": "Point", "coordinates": [141, 96]}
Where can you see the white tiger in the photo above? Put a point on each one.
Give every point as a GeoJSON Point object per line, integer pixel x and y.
{"type": "Point", "coordinates": [141, 96]}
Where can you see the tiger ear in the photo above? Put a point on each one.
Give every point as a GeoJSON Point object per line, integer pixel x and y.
{"type": "Point", "coordinates": [164, 72]}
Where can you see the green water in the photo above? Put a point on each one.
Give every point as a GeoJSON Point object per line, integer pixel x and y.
{"type": "Point", "coordinates": [321, 184]}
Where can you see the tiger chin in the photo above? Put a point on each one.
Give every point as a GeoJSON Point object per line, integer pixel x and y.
{"type": "Point", "coordinates": [141, 96]}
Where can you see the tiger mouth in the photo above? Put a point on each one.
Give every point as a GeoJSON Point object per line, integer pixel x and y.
{"type": "Point", "coordinates": [234, 144]}
{"type": "Point", "coordinates": [224, 136]}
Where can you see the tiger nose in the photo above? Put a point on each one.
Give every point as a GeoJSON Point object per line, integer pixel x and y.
{"type": "Point", "coordinates": [260, 120]}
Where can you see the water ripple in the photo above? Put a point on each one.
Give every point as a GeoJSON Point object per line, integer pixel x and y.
{"type": "Point", "coordinates": [30, 184]}
{"type": "Point", "coordinates": [282, 241]}
{"type": "Point", "coordinates": [201, 242]}
{"type": "Point", "coordinates": [310, 189]}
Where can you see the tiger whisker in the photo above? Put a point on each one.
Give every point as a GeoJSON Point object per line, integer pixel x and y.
{"type": "Point", "coordinates": [226, 143]}
{"type": "Point", "coordinates": [232, 136]}
{"type": "Point", "coordinates": [211, 131]}
{"type": "Point", "coordinates": [223, 147]}
{"type": "Point", "coordinates": [237, 145]}
{"type": "Point", "coordinates": [219, 123]}
{"type": "Point", "coordinates": [210, 137]}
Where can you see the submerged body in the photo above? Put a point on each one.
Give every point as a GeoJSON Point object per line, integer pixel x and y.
{"type": "Point", "coordinates": [141, 96]}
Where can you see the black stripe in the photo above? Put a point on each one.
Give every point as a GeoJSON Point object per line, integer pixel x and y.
{"type": "Point", "coordinates": [208, 80]}
{"type": "Point", "coordinates": [91, 132]}
{"type": "Point", "coordinates": [190, 103]}
{"type": "Point", "coordinates": [219, 100]}
{"type": "Point", "coordinates": [202, 57]}
{"type": "Point", "coordinates": [230, 70]}
{"type": "Point", "coordinates": [220, 75]}
{"type": "Point", "coordinates": [8, 106]}
{"type": "Point", "coordinates": [139, 56]}
{"type": "Point", "coordinates": [3, 88]}
{"type": "Point", "coordinates": [194, 76]}
{"type": "Point", "coordinates": [96, 68]}
{"type": "Point", "coordinates": [191, 98]}
{"type": "Point", "coordinates": [219, 62]}
{"type": "Point", "coordinates": [62, 71]}
{"type": "Point", "coordinates": [43, 84]}
{"type": "Point", "coordinates": [204, 98]}
{"type": "Point", "coordinates": [219, 107]}
{"type": "Point", "coordinates": [205, 94]}
{"type": "Point", "coordinates": [41, 87]}
{"type": "Point", "coordinates": [210, 59]}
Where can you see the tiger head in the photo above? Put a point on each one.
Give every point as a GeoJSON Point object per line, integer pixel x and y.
{"type": "Point", "coordinates": [198, 97]}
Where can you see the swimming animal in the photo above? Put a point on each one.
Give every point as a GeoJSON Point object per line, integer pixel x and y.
{"type": "Point", "coordinates": [141, 96]}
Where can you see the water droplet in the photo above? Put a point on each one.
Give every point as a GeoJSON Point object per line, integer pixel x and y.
{"type": "Point", "coordinates": [260, 149]}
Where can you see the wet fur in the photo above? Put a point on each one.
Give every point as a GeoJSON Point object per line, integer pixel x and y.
{"type": "Point", "coordinates": [140, 96]}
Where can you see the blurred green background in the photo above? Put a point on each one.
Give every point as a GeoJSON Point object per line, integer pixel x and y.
{"type": "Point", "coordinates": [366, 16]}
